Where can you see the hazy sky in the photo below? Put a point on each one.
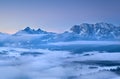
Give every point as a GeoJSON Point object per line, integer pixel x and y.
{"type": "Point", "coordinates": [56, 15]}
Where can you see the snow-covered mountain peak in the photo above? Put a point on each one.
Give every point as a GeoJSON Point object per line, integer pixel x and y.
{"type": "Point", "coordinates": [84, 31]}
{"type": "Point", "coordinates": [97, 31]}
{"type": "Point", "coordinates": [28, 30]}
{"type": "Point", "coordinates": [39, 29]}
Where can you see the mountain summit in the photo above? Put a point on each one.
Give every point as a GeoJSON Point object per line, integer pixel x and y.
{"type": "Point", "coordinates": [28, 30]}
{"type": "Point", "coordinates": [97, 31]}
{"type": "Point", "coordinates": [84, 31]}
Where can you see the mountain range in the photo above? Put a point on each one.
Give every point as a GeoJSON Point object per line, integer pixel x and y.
{"type": "Point", "coordinates": [99, 31]}
{"type": "Point", "coordinates": [84, 31]}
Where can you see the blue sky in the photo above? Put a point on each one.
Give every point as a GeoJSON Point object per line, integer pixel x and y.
{"type": "Point", "coordinates": [56, 15]}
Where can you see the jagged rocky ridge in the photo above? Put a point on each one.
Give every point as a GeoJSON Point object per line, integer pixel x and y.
{"type": "Point", "coordinates": [85, 31]}
{"type": "Point", "coordinates": [98, 31]}
{"type": "Point", "coordinates": [28, 30]}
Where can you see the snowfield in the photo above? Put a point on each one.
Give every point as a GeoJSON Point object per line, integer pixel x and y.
{"type": "Point", "coordinates": [24, 63]}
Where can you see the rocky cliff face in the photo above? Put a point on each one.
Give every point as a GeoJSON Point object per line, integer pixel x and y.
{"type": "Point", "coordinates": [97, 31]}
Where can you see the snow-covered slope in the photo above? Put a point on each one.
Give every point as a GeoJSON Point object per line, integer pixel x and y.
{"type": "Point", "coordinates": [26, 37]}
{"type": "Point", "coordinates": [28, 30]}
{"type": "Point", "coordinates": [85, 31]}
{"type": "Point", "coordinates": [99, 31]}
